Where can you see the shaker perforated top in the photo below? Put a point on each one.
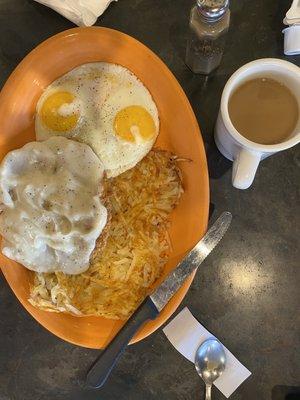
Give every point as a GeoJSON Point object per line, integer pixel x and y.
{"type": "Point", "coordinates": [213, 9]}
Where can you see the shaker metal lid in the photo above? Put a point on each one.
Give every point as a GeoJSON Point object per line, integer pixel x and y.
{"type": "Point", "coordinates": [212, 9]}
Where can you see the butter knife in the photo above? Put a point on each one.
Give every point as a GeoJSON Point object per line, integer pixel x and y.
{"type": "Point", "coordinates": [154, 303]}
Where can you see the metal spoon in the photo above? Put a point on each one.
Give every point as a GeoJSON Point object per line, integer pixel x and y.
{"type": "Point", "coordinates": [210, 361]}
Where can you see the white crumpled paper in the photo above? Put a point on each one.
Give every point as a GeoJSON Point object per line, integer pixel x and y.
{"type": "Point", "coordinates": [81, 12]}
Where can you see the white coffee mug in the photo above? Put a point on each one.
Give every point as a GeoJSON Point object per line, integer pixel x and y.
{"type": "Point", "coordinates": [245, 154]}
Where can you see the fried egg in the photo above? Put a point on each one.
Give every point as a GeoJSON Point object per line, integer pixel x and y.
{"type": "Point", "coordinates": [105, 106]}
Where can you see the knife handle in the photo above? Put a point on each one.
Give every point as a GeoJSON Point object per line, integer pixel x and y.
{"type": "Point", "coordinates": [100, 370]}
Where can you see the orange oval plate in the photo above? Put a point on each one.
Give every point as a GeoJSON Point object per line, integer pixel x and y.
{"type": "Point", "coordinates": [179, 133]}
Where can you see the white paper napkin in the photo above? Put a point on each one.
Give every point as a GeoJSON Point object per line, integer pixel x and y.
{"type": "Point", "coordinates": [81, 12]}
{"type": "Point", "coordinates": [186, 334]}
{"type": "Point", "coordinates": [293, 14]}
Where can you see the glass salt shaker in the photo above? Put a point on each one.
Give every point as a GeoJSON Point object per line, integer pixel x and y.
{"type": "Point", "coordinates": [209, 23]}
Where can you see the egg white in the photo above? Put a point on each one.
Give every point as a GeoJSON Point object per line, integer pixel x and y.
{"type": "Point", "coordinates": [101, 91]}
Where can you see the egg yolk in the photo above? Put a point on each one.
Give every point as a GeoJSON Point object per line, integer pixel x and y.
{"type": "Point", "coordinates": [134, 116]}
{"type": "Point", "coordinates": [50, 115]}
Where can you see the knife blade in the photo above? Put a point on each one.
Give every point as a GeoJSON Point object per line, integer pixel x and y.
{"type": "Point", "coordinates": [154, 303]}
{"type": "Point", "coordinates": [195, 257]}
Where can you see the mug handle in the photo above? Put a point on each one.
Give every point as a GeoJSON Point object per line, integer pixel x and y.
{"type": "Point", "coordinates": [244, 168]}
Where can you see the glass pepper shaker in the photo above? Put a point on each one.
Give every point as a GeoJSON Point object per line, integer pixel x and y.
{"type": "Point", "coordinates": [209, 23]}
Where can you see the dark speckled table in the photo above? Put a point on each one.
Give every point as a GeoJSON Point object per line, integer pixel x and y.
{"type": "Point", "coordinates": [247, 293]}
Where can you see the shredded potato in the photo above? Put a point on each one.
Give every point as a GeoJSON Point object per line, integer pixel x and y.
{"type": "Point", "coordinates": [132, 256]}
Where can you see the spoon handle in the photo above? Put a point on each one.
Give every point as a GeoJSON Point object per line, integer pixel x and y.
{"type": "Point", "coordinates": [208, 392]}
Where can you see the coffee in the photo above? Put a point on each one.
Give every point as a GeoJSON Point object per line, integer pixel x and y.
{"type": "Point", "coordinates": [264, 111]}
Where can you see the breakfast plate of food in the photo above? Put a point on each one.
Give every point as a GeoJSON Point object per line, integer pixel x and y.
{"type": "Point", "coordinates": [103, 183]}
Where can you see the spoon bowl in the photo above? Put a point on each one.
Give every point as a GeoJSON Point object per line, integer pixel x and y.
{"type": "Point", "coordinates": [210, 362]}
